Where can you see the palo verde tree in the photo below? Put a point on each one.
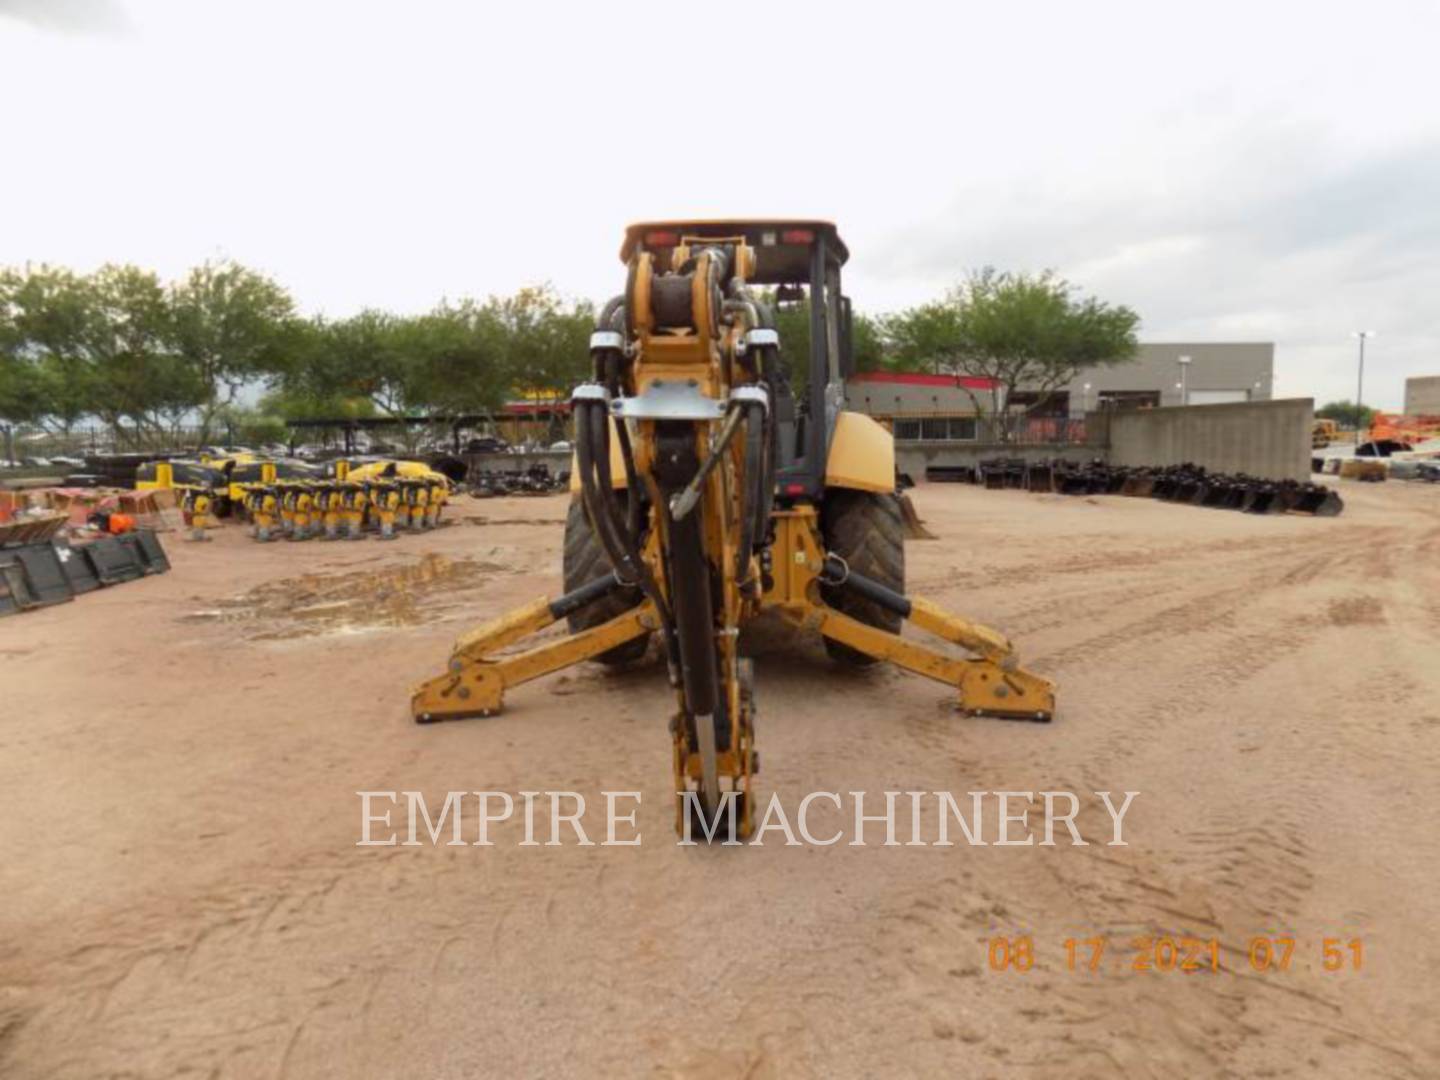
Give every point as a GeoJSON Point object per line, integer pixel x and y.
{"type": "Point", "coordinates": [792, 322]}
{"type": "Point", "coordinates": [126, 341]}
{"type": "Point", "coordinates": [45, 315]}
{"type": "Point", "coordinates": [546, 343]}
{"type": "Point", "coordinates": [461, 352]}
{"type": "Point", "coordinates": [1020, 332]}
{"type": "Point", "coordinates": [229, 327]}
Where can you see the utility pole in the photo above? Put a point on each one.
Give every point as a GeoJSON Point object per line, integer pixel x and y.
{"type": "Point", "coordinates": [1360, 378]}
{"type": "Point", "coordinates": [1184, 362]}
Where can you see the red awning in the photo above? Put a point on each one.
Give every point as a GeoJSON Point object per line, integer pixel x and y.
{"type": "Point", "coordinates": [916, 378]}
{"type": "Point", "coordinates": [534, 408]}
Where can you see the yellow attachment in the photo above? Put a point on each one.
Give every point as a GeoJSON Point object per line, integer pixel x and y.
{"type": "Point", "coordinates": [164, 478]}
{"type": "Point", "coordinates": [376, 470]}
{"type": "Point", "coordinates": [475, 683]}
{"type": "Point", "coordinates": [993, 685]}
{"type": "Point", "coordinates": [862, 455]}
{"type": "Point", "coordinates": [986, 687]}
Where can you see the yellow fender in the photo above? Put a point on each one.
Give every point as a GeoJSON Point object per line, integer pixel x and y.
{"type": "Point", "coordinates": [862, 455]}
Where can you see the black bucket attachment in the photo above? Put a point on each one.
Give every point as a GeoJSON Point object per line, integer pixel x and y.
{"type": "Point", "coordinates": [1191, 487]}
{"type": "Point", "coordinates": [15, 595]}
{"type": "Point", "coordinates": [148, 552]}
{"type": "Point", "coordinates": [1040, 476]}
{"type": "Point", "coordinates": [77, 568]}
{"type": "Point", "coordinates": [150, 548]}
{"type": "Point", "coordinates": [992, 474]}
{"type": "Point", "coordinates": [1139, 483]}
{"type": "Point", "coordinates": [1316, 500]}
{"type": "Point", "coordinates": [1072, 481]}
{"type": "Point", "coordinates": [45, 579]}
{"type": "Point", "coordinates": [113, 561]}
{"type": "Point", "coordinates": [1174, 483]}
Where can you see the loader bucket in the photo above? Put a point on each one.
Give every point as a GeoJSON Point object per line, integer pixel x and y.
{"type": "Point", "coordinates": [1265, 499]}
{"type": "Point", "coordinates": [1140, 485]}
{"type": "Point", "coordinates": [1317, 500]}
{"type": "Point", "coordinates": [1192, 490]}
{"type": "Point", "coordinates": [1040, 476]}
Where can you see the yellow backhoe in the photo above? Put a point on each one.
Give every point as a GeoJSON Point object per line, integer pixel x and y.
{"type": "Point", "coordinates": [707, 490]}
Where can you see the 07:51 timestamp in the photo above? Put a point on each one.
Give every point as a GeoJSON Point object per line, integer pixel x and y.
{"type": "Point", "coordinates": [1170, 953]}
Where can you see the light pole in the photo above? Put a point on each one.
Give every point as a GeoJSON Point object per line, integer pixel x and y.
{"type": "Point", "coordinates": [1360, 378]}
{"type": "Point", "coordinates": [1184, 363]}
{"type": "Point", "coordinates": [1085, 399]}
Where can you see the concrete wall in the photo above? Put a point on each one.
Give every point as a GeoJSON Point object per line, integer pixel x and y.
{"type": "Point", "coordinates": [556, 459]}
{"type": "Point", "coordinates": [1270, 439]}
{"type": "Point", "coordinates": [1422, 395]}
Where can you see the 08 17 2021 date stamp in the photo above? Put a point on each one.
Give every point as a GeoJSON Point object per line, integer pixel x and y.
{"type": "Point", "coordinates": [1181, 954]}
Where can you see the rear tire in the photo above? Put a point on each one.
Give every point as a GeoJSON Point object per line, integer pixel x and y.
{"type": "Point", "coordinates": [866, 530]}
{"type": "Point", "coordinates": [584, 561]}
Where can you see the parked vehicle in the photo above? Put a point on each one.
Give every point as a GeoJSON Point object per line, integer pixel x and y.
{"type": "Point", "coordinates": [487, 444]}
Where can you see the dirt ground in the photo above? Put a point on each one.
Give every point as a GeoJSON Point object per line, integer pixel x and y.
{"type": "Point", "coordinates": [183, 894]}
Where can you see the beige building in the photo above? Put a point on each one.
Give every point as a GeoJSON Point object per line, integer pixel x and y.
{"type": "Point", "coordinates": [1422, 395]}
{"type": "Point", "coordinates": [1180, 373]}
{"type": "Point", "coordinates": [935, 408]}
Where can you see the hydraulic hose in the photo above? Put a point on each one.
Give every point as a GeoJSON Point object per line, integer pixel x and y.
{"type": "Point", "coordinates": [600, 519]}
{"type": "Point", "coordinates": [593, 451]}
{"type": "Point", "coordinates": [752, 509]}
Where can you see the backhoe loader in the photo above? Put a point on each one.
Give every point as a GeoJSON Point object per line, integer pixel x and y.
{"type": "Point", "coordinates": [707, 490]}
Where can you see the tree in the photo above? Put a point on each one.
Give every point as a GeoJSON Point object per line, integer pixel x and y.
{"type": "Point", "coordinates": [126, 336]}
{"type": "Point", "coordinates": [1347, 414]}
{"type": "Point", "coordinates": [923, 339]}
{"type": "Point", "coordinates": [546, 344]}
{"type": "Point", "coordinates": [356, 357]}
{"type": "Point", "coordinates": [229, 326]}
{"type": "Point", "coordinates": [792, 322]}
{"type": "Point", "coordinates": [461, 350]}
{"type": "Point", "coordinates": [1019, 332]}
{"type": "Point", "coordinates": [48, 312]}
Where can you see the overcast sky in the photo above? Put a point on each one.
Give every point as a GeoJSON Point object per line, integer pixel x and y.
{"type": "Point", "coordinates": [1254, 171]}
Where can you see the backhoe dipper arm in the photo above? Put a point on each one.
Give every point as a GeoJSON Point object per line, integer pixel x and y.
{"type": "Point", "coordinates": [475, 681]}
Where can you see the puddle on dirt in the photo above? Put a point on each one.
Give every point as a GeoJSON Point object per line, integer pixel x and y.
{"type": "Point", "coordinates": [361, 600]}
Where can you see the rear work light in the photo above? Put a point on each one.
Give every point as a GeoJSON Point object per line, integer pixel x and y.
{"type": "Point", "coordinates": [661, 239]}
{"type": "Point", "coordinates": [797, 236]}
{"type": "Point", "coordinates": [794, 489]}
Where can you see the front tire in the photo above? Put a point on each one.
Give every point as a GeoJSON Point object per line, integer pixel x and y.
{"type": "Point", "coordinates": [865, 529]}
{"type": "Point", "coordinates": [584, 561]}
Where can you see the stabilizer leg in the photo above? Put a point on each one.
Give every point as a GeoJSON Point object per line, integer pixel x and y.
{"type": "Point", "coordinates": [476, 681]}
{"type": "Point", "coordinates": [993, 684]}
